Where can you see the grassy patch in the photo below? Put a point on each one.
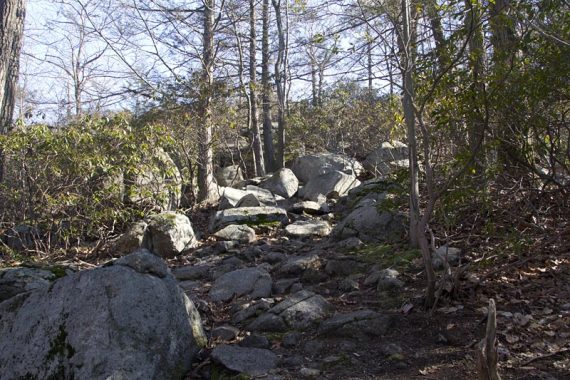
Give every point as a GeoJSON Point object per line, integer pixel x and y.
{"type": "Point", "coordinates": [387, 256]}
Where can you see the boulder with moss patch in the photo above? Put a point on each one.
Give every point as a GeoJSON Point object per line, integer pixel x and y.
{"type": "Point", "coordinates": [126, 320]}
{"type": "Point", "coordinates": [169, 234]}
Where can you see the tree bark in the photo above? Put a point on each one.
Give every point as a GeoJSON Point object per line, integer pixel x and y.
{"type": "Point", "coordinates": [474, 28]}
{"type": "Point", "coordinates": [407, 54]}
{"type": "Point", "coordinates": [502, 40]}
{"type": "Point", "coordinates": [12, 15]}
{"type": "Point", "coordinates": [206, 188]}
{"type": "Point", "coordinates": [280, 84]}
{"type": "Point", "coordinates": [257, 148]}
{"type": "Point", "coordinates": [266, 91]}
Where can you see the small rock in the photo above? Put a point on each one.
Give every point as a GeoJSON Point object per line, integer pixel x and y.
{"type": "Point", "coordinates": [191, 272]}
{"type": "Point", "coordinates": [225, 333]}
{"type": "Point", "coordinates": [281, 286]}
{"type": "Point", "coordinates": [351, 243]}
{"type": "Point", "coordinates": [309, 373]}
{"type": "Point", "coordinates": [388, 280]}
{"type": "Point", "coordinates": [348, 284]}
{"type": "Point", "coordinates": [297, 264]}
{"type": "Point", "coordinates": [291, 339]}
{"type": "Point", "coordinates": [443, 252]}
{"type": "Point", "coordinates": [304, 228]}
{"type": "Point", "coordinates": [391, 349]}
{"type": "Point", "coordinates": [292, 361]}
{"type": "Point", "coordinates": [341, 267]}
{"type": "Point", "coordinates": [252, 309]}
{"type": "Point", "coordinates": [268, 322]}
{"type": "Point", "coordinates": [296, 287]}
{"type": "Point", "coordinates": [251, 361]}
{"type": "Point", "coordinates": [238, 232]}
{"type": "Point", "coordinates": [314, 276]}
{"type": "Point", "coordinates": [256, 341]}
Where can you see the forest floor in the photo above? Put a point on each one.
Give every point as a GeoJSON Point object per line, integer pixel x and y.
{"type": "Point", "coordinates": [531, 289]}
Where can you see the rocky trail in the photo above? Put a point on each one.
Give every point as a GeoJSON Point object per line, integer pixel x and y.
{"type": "Point", "coordinates": [275, 283]}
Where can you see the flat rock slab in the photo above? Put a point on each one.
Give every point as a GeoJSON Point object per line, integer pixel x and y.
{"type": "Point", "coordinates": [303, 228]}
{"type": "Point", "coordinates": [248, 360]}
{"type": "Point", "coordinates": [237, 232]}
{"type": "Point", "coordinates": [249, 216]}
{"type": "Point", "coordinates": [360, 324]}
{"type": "Point", "coordinates": [253, 282]}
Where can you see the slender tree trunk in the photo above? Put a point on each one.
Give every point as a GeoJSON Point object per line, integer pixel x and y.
{"type": "Point", "coordinates": [257, 146]}
{"type": "Point", "coordinates": [280, 84]}
{"type": "Point", "coordinates": [314, 85]}
{"type": "Point", "coordinates": [266, 91]}
{"type": "Point", "coordinates": [502, 40]}
{"type": "Point", "coordinates": [206, 188]}
{"type": "Point", "coordinates": [369, 63]}
{"type": "Point", "coordinates": [438, 36]}
{"type": "Point", "coordinates": [12, 15]}
{"type": "Point", "coordinates": [406, 46]}
{"type": "Point", "coordinates": [477, 125]}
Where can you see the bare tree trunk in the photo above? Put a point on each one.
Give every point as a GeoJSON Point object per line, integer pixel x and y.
{"type": "Point", "coordinates": [257, 148]}
{"type": "Point", "coordinates": [502, 40]}
{"type": "Point", "coordinates": [12, 15]}
{"type": "Point", "coordinates": [280, 83]}
{"type": "Point", "coordinates": [206, 189]}
{"type": "Point", "coordinates": [409, 116]}
{"type": "Point", "coordinates": [438, 36]}
{"type": "Point", "coordinates": [266, 89]}
{"type": "Point", "coordinates": [474, 28]}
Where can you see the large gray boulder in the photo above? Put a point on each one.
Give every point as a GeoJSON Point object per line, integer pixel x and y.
{"type": "Point", "coordinates": [253, 282]}
{"type": "Point", "coordinates": [169, 234]}
{"type": "Point", "coordinates": [314, 165]}
{"type": "Point", "coordinates": [128, 320]}
{"type": "Point", "coordinates": [283, 182]}
{"type": "Point", "coordinates": [228, 176]}
{"type": "Point", "coordinates": [248, 215]}
{"type": "Point", "coordinates": [157, 185]}
{"type": "Point", "coordinates": [387, 158]}
{"type": "Point", "coordinates": [326, 184]}
{"type": "Point", "coordinates": [370, 224]}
